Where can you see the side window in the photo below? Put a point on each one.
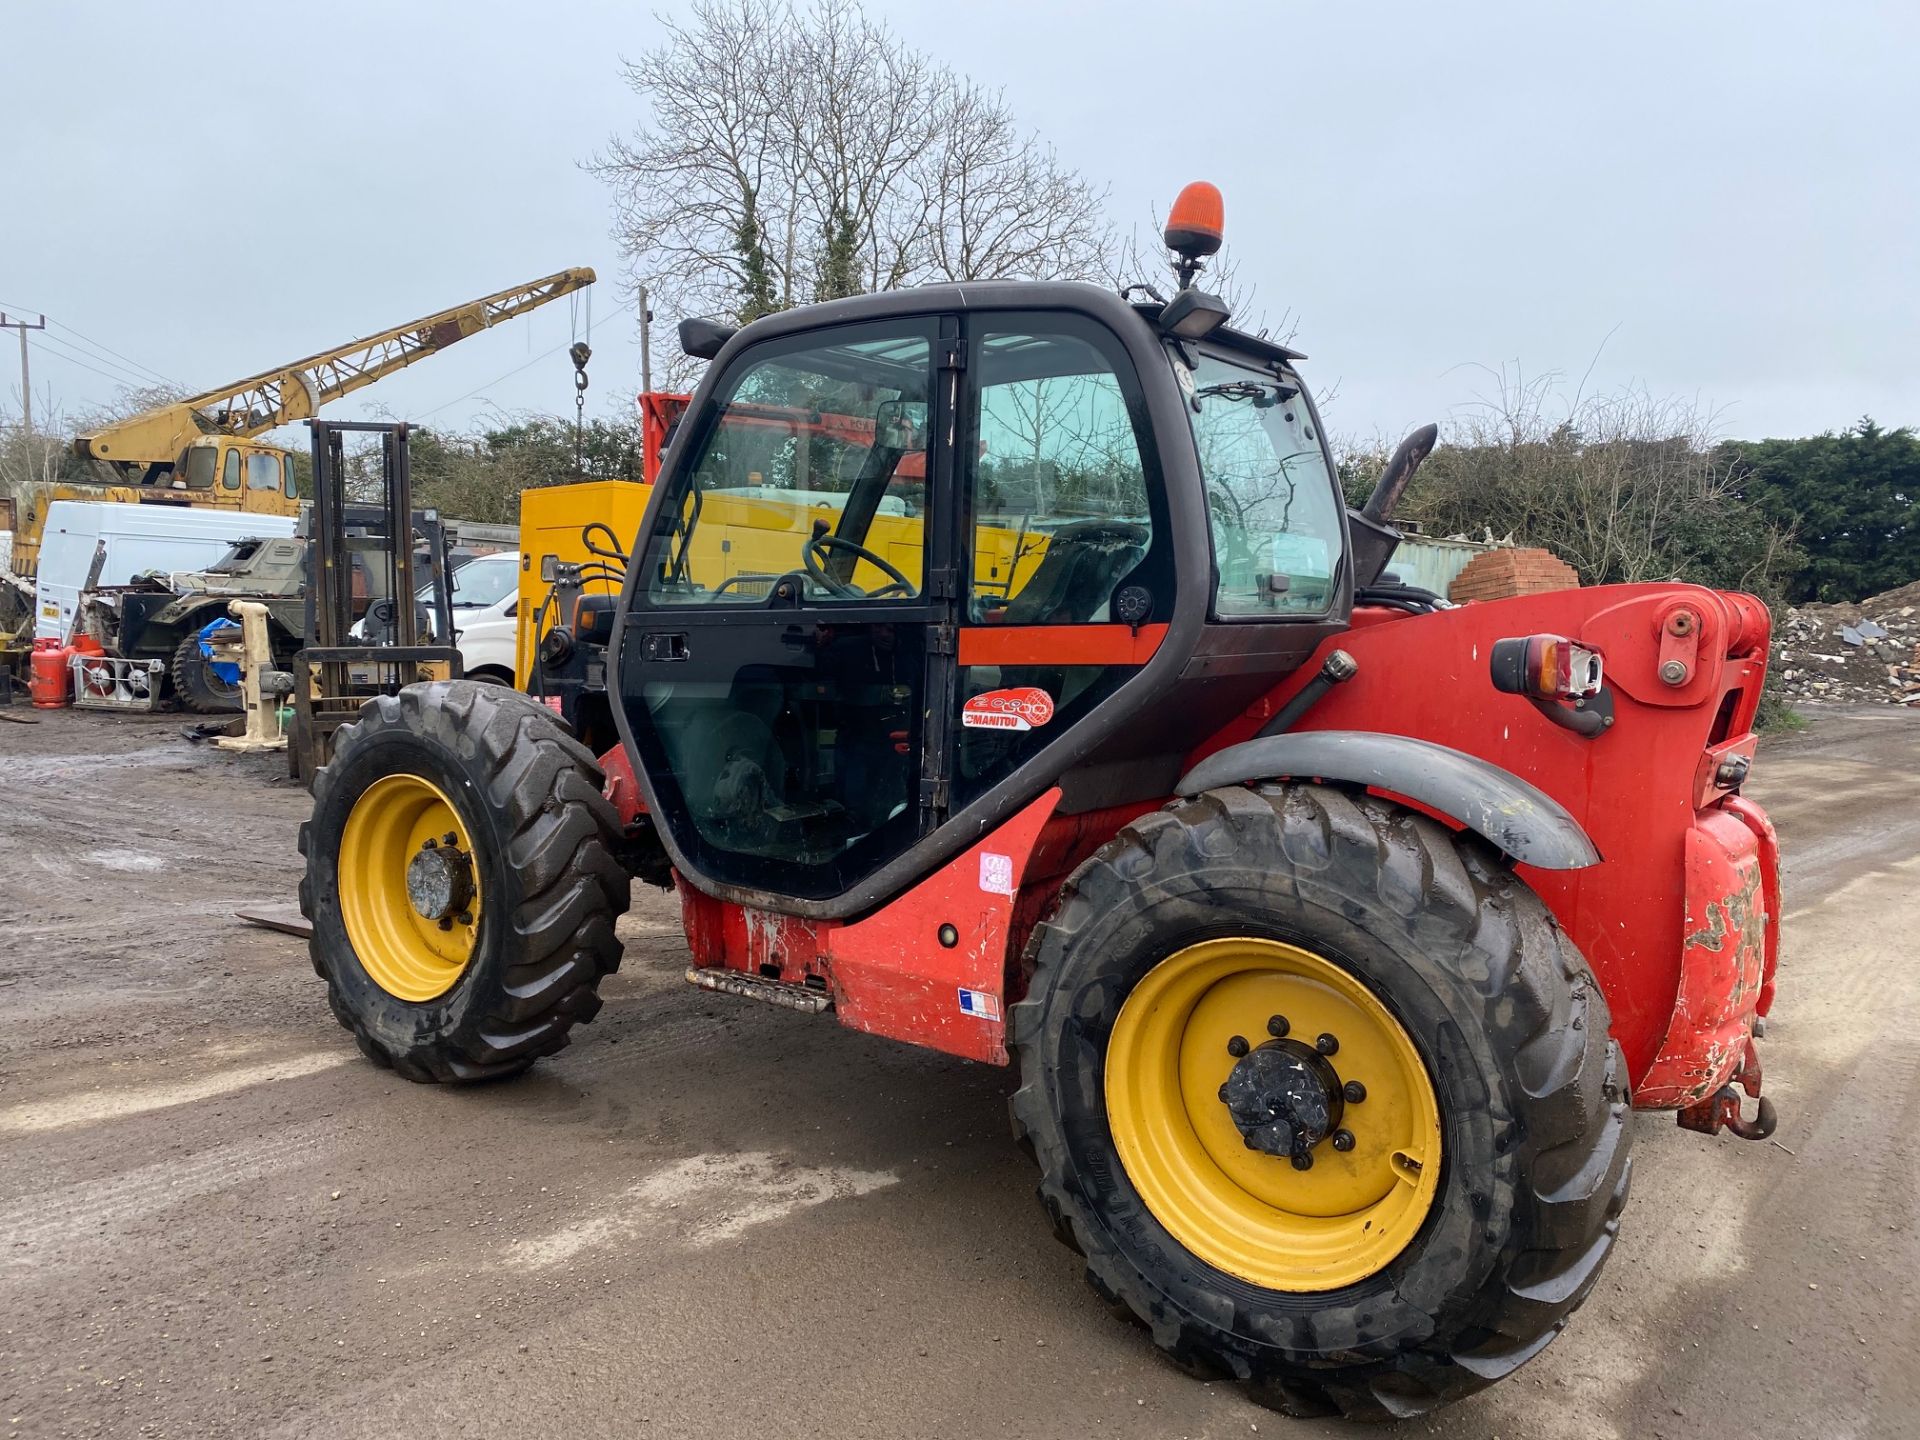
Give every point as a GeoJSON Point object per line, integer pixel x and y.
{"type": "Point", "coordinates": [1273, 503]}
{"type": "Point", "coordinates": [1067, 510]}
{"type": "Point", "coordinates": [1058, 491]}
{"type": "Point", "coordinates": [200, 462]}
{"type": "Point", "coordinates": [814, 469]}
{"type": "Point", "coordinates": [230, 472]}
{"type": "Point", "coordinates": [263, 470]}
{"type": "Point", "coordinates": [288, 487]}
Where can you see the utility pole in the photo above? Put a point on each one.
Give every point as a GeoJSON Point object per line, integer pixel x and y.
{"type": "Point", "coordinates": [646, 349]}
{"type": "Point", "coordinates": [26, 382]}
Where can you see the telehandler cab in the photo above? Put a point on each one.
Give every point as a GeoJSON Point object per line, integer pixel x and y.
{"type": "Point", "coordinates": [1047, 706]}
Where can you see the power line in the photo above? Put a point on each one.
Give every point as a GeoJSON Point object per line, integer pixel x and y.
{"type": "Point", "coordinates": [67, 351]}
{"type": "Point", "coordinates": [493, 382]}
{"type": "Point", "coordinates": [60, 355]}
{"type": "Point", "coordinates": [108, 349]}
{"type": "Point", "coordinates": [144, 369]}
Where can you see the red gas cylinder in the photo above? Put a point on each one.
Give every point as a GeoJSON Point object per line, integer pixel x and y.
{"type": "Point", "coordinates": [47, 682]}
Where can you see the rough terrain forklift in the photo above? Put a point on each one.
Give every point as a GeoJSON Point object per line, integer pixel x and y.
{"type": "Point", "coordinates": [1333, 930]}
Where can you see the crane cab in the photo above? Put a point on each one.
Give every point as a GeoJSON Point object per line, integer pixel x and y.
{"type": "Point", "coordinates": [226, 473]}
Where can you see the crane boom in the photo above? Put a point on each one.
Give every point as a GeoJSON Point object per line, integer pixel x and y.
{"type": "Point", "coordinates": [296, 391]}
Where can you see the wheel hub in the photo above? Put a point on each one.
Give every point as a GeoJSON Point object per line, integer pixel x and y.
{"type": "Point", "coordinates": [1267, 1161]}
{"type": "Point", "coordinates": [1285, 1098]}
{"type": "Point", "coordinates": [440, 881]}
{"type": "Point", "coordinates": [410, 894]}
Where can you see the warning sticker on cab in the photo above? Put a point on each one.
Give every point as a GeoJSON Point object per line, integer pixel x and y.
{"type": "Point", "coordinates": [1022, 708]}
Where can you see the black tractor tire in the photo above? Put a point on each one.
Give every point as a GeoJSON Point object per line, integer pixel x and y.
{"type": "Point", "coordinates": [196, 685]}
{"type": "Point", "coordinates": [543, 835]}
{"type": "Point", "coordinates": [1512, 1030]}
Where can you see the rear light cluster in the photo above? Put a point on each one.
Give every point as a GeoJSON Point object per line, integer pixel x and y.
{"type": "Point", "coordinates": [1546, 667]}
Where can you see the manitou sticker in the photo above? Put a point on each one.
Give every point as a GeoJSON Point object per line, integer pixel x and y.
{"type": "Point", "coordinates": [1024, 708]}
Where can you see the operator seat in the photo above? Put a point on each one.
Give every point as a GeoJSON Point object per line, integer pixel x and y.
{"type": "Point", "coordinates": [1072, 585]}
{"type": "Point", "coordinates": [1075, 578]}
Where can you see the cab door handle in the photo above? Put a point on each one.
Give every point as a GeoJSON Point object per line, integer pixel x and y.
{"type": "Point", "coordinates": [664, 645]}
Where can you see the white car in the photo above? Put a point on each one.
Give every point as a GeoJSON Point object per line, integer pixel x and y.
{"type": "Point", "coordinates": [485, 597]}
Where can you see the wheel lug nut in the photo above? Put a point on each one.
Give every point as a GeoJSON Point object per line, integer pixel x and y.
{"type": "Point", "coordinates": [445, 924]}
{"type": "Point", "coordinates": [1343, 1140]}
{"type": "Point", "coordinates": [1354, 1091]}
{"type": "Point", "coordinates": [1223, 1092]}
{"type": "Point", "coordinates": [1303, 1162]}
{"type": "Point", "coordinates": [1237, 1046]}
{"type": "Point", "coordinates": [430, 844]}
{"type": "Point", "coordinates": [449, 838]}
{"type": "Point", "coordinates": [465, 917]}
{"type": "Point", "coordinates": [1326, 1044]}
{"type": "Point", "coordinates": [1278, 1027]}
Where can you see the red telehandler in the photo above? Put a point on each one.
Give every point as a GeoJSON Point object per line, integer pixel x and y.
{"type": "Point", "coordinates": [1334, 931]}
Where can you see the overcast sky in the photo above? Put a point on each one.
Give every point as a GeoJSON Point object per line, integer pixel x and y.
{"type": "Point", "coordinates": [1719, 197]}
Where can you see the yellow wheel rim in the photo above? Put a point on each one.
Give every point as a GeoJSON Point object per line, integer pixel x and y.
{"type": "Point", "coordinates": [413, 942]}
{"type": "Point", "coordinates": [1251, 1213]}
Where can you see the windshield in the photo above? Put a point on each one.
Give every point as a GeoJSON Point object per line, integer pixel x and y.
{"type": "Point", "coordinates": [812, 470]}
{"type": "Point", "coordinates": [480, 583]}
{"type": "Point", "coordinates": [1272, 499]}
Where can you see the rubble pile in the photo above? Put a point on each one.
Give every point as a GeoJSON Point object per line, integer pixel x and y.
{"type": "Point", "coordinates": [1865, 652]}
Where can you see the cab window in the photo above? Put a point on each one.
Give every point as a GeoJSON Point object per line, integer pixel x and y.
{"type": "Point", "coordinates": [287, 485]}
{"type": "Point", "coordinates": [201, 460]}
{"type": "Point", "coordinates": [1059, 493]}
{"type": "Point", "coordinates": [263, 470]}
{"type": "Point", "coordinates": [813, 470]}
{"type": "Point", "coordinates": [1272, 499]}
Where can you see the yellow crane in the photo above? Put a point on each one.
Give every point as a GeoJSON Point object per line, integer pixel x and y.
{"type": "Point", "coordinates": [202, 451]}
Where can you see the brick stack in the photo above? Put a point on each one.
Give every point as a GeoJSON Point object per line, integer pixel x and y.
{"type": "Point", "coordinates": [1502, 574]}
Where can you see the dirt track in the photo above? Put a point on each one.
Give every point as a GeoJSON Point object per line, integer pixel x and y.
{"type": "Point", "coordinates": [714, 1218]}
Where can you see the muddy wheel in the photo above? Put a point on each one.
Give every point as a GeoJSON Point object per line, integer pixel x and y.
{"type": "Point", "coordinates": [1325, 1098]}
{"type": "Point", "coordinates": [461, 881]}
{"type": "Point", "coordinates": [198, 685]}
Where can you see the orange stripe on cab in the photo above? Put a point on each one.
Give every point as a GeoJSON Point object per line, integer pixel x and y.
{"type": "Point", "coordinates": [1059, 644]}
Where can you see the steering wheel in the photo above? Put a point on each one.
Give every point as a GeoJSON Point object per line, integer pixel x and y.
{"type": "Point", "coordinates": [814, 553]}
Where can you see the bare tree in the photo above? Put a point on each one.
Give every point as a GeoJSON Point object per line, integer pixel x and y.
{"type": "Point", "coordinates": [1624, 486]}
{"type": "Point", "coordinates": [800, 154]}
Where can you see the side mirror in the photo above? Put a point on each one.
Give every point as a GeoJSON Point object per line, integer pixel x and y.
{"type": "Point", "coordinates": [702, 339]}
{"type": "Point", "coordinates": [901, 425]}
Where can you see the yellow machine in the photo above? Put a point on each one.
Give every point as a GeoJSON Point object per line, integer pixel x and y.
{"type": "Point", "coordinates": [745, 538]}
{"type": "Point", "coordinates": [203, 451]}
{"type": "Point", "coordinates": [554, 524]}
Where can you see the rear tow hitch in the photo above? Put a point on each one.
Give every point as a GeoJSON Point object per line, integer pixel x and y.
{"type": "Point", "coordinates": [1721, 1110]}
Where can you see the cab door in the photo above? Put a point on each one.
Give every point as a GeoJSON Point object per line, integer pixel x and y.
{"type": "Point", "coordinates": [1070, 576]}
{"type": "Point", "coordinates": [786, 658]}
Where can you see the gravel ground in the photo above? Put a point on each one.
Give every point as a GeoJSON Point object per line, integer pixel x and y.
{"type": "Point", "coordinates": [709, 1217]}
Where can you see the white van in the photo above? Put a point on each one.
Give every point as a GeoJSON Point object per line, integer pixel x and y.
{"type": "Point", "coordinates": [485, 594]}
{"type": "Point", "coordinates": [138, 539]}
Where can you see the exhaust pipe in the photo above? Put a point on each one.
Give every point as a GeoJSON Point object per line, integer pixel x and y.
{"type": "Point", "coordinates": [1374, 538]}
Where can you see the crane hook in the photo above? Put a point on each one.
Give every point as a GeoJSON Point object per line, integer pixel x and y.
{"type": "Point", "coordinates": [580, 353]}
